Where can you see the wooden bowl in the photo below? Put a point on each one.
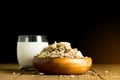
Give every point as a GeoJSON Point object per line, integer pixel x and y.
{"type": "Point", "coordinates": [62, 65]}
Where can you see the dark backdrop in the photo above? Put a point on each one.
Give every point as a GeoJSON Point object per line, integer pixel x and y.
{"type": "Point", "coordinates": [95, 32]}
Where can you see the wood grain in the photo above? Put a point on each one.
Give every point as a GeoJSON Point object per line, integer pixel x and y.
{"type": "Point", "coordinates": [98, 72]}
{"type": "Point", "coordinates": [108, 71]}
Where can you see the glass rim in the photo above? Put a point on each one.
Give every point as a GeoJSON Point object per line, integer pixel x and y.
{"type": "Point", "coordinates": [32, 38]}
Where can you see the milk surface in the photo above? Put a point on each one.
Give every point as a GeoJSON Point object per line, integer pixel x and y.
{"type": "Point", "coordinates": [27, 50]}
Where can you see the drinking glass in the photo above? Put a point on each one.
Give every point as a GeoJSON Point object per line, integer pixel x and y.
{"type": "Point", "coordinates": [29, 46]}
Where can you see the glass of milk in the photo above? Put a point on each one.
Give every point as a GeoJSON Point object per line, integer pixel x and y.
{"type": "Point", "coordinates": [27, 47]}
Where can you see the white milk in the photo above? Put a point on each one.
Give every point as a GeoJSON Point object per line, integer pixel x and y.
{"type": "Point", "coordinates": [27, 50]}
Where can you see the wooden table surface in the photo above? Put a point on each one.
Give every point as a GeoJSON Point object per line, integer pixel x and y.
{"type": "Point", "coordinates": [97, 72]}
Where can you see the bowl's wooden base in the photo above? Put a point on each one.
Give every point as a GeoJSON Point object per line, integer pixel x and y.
{"type": "Point", "coordinates": [62, 65]}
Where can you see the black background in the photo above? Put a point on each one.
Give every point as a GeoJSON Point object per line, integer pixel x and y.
{"type": "Point", "coordinates": [94, 31]}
